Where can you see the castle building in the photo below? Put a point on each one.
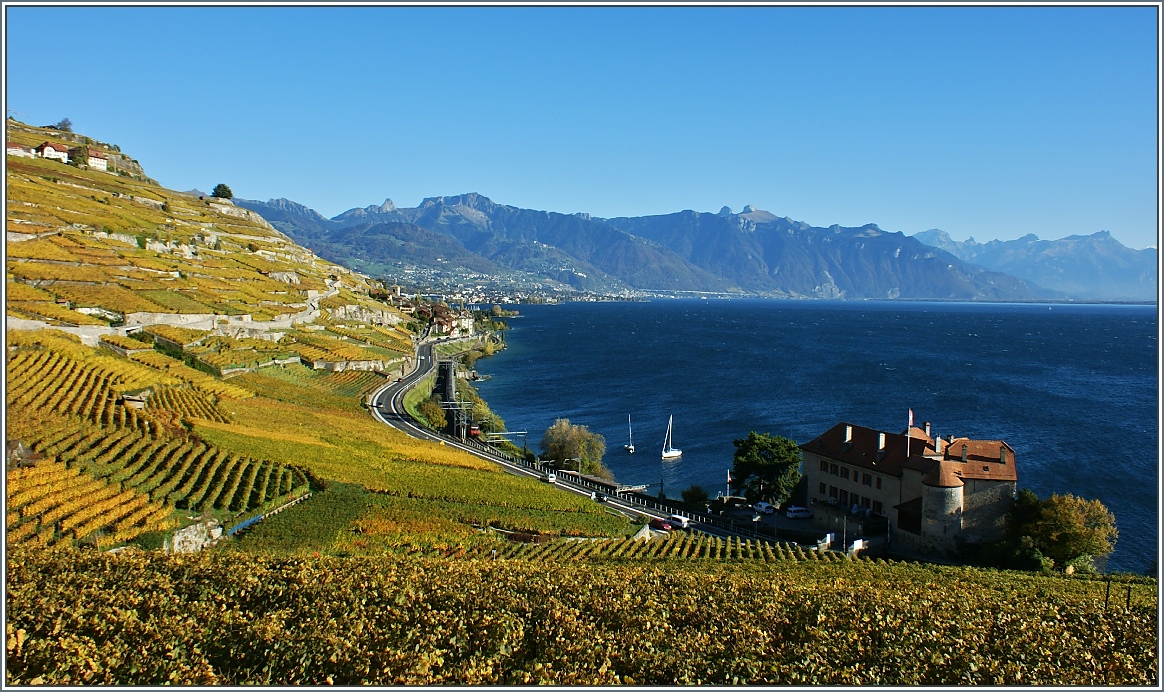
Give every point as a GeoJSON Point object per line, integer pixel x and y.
{"type": "Point", "coordinates": [937, 494]}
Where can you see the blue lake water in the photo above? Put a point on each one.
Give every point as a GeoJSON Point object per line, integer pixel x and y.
{"type": "Point", "coordinates": [1072, 388]}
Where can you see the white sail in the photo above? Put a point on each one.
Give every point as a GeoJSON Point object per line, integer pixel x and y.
{"type": "Point", "coordinates": [630, 445]}
{"type": "Point", "coordinates": [670, 452]}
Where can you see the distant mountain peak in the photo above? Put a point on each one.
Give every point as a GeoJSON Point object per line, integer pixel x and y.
{"type": "Point", "coordinates": [384, 208]}
{"type": "Point", "coordinates": [472, 200]}
{"type": "Point", "coordinates": [294, 207]}
{"type": "Point", "coordinates": [725, 211]}
{"type": "Point", "coordinates": [751, 213]}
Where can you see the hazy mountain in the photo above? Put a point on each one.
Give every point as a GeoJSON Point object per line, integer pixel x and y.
{"type": "Point", "coordinates": [1093, 267]}
{"type": "Point", "coordinates": [754, 251]}
{"type": "Point", "coordinates": [765, 253]}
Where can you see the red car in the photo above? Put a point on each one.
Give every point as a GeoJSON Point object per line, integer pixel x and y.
{"type": "Point", "coordinates": [660, 524]}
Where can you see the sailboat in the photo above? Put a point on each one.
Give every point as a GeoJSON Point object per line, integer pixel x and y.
{"type": "Point", "coordinates": [670, 452]}
{"type": "Point", "coordinates": [630, 445]}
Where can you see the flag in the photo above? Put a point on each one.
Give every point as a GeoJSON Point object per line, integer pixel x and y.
{"type": "Point", "coordinates": [911, 418]}
{"type": "Point", "coordinates": [729, 476]}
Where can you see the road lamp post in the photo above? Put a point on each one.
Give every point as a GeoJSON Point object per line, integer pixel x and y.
{"type": "Point", "coordinates": [844, 530]}
{"type": "Point", "coordinates": [579, 460]}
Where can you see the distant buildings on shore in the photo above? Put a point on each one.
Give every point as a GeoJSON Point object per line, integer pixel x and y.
{"type": "Point", "coordinates": [937, 495]}
{"type": "Point", "coordinates": [95, 159]}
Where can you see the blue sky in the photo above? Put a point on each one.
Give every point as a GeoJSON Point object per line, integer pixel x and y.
{"type": "Point", "coordinates": [986, 122]}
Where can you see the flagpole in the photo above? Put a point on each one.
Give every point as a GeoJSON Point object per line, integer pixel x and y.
{"type": "Point", "coordinates": [908, 425]}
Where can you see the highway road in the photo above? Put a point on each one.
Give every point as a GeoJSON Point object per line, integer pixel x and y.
{"type": "Point", "coordinates": [387, 406]}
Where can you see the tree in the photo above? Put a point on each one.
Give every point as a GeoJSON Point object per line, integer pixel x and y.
{"type": "Point", "coordinates": [1022, 514]}
{"type": "Point", "coordinates": [222, 190]}
{"type": "Point", "coordinates": [65, 125]}
{"type": "Point", "coordinates": [432, 411]}
{"type": "Point", "coordinates": [767, 467]}
{"type": "Point", "coordinates": [1061, 530]}
{"type": "Point", "coordinates": [495, 311]}
{"type": "Point", "coordinates": [695, 497]}
{"type": "Point", "coordinates": [1070, 527]}
{"type": "Point", "coordinates": [564, 440]}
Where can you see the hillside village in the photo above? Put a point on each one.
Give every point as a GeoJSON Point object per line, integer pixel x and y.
{"type": "Point", "coordinates": [169, 268]}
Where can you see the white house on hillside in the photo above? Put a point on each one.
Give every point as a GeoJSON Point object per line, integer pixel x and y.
{"type": "Point", "coordinates": [15, 149]}
{"type": "Point", "coordinates": [50, 150]}
{"type": "Point", "coordinates": [97, 160]}
{"type": "Point", "coordinates": [94, 159]}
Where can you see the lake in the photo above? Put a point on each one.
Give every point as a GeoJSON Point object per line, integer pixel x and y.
{"type": "Point", "coordinates": [1072, 388]}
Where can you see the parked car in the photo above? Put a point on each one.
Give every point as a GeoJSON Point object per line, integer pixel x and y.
{"type": "Point", "coordinates": [763, 508]}
{"type": "Point", "coordinates": [660, 524]}
{"type": "Point", "coordinates": [795, 512]}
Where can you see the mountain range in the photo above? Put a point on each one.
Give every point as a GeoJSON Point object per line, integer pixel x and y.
{"type": "Point", "coordinates": [1089, 267]}
{"type": "Point", "coordinates": [750, 252]}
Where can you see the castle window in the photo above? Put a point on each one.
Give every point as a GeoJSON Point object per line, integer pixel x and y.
{"type": "Point", "coordinates": [879, 483]}
{"type": "Point", "coordinates": [877, 507]}
{"type": "Point", "coordinates": [845, 472]}
{"type": "Point", "coordinates": [822, 488]}
{"type": "Point", "coordinates": [866, 479]}
{"type": "Point", "coordinates": [833, 470]}
{"type": "Point", "coordinates": [844, 497]}
{"type": "Point", "coordinates": [865, 501]}
{"type": "Point", "coordinates": [824, 466]}
{"type": "Point", "coordinates": [832, 491]}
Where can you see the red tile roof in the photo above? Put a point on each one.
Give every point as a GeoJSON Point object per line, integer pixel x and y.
{"type": "Point", "coordinates": [982, 456]}
{"type": "Point", "coordinates": [944, 474]}
{"type": "Point", "coordinates": [863, 450]}
{"type": "Point", "coordinates": [979, 450]}
{"type": "Point", "coordinates": [55, 147]}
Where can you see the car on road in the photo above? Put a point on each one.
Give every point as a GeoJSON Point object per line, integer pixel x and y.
{"type": "Point", "coordinates": [598, 497]}
{"type": "Point", "coordinates": [399, 379]}
{"type": "Point", "coordinates": [660, 524]}
{"type": "Point", "coordinates": [679, 522]}
{"type": "Point", "coordinates": [795, 512]}
{"type": "Point", "coordinates": [551, 478]}
{"type": "Point", "coordinates": [763, 508]}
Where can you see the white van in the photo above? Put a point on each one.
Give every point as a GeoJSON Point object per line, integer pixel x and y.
{"type": "Point", "coordinates": [551, 477]}
{"type": "Point", "coordinates": [681, 522]}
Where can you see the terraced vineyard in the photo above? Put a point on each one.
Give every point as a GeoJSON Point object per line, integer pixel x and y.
{"type": "Point", "coordinates": [52, 504]}
{"type": "Point", "coordinates": [392, 620]}
{"type": "Point", "coordinates": [178, 369]}
{"type": "Point", "coordinates": [679, 546]}
{"type": "Point", "coordinates": [313, 346]}
{"type": "Point", "coordinates": [52, 382]}
{"type": "Point", "coordinates": [125, 470]}
{"type": "Point", "coordinates": [384, 338]}
{"type": "Point", "coordinates": [187, 402]}
{"type": "Point", "coordinates": [186, 474]}
{"type": "Point", "coordinates": [288, 383]}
